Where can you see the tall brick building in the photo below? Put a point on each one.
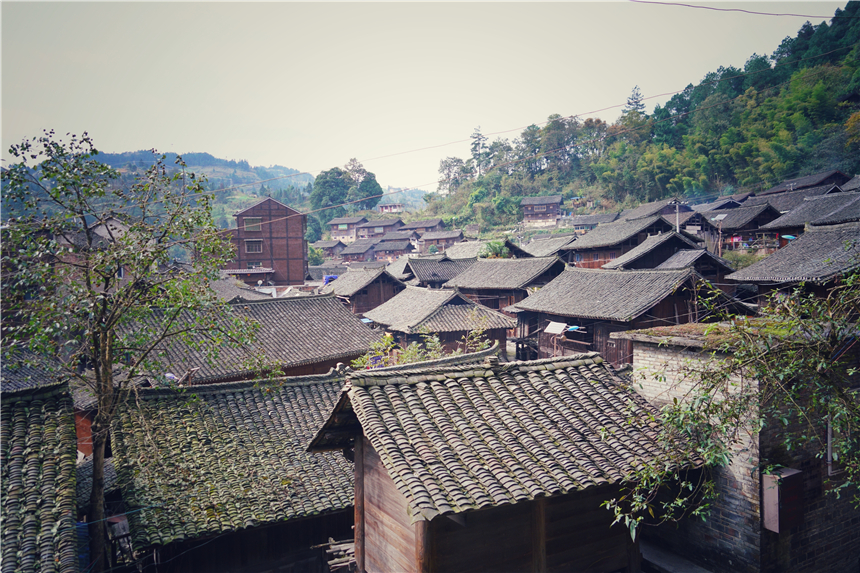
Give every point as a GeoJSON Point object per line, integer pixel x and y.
{"type": "Point", "coordinates": [269, 242]}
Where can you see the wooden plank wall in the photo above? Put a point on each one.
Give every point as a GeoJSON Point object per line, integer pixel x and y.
{"type": "Point", "coordinates": [389, 537]}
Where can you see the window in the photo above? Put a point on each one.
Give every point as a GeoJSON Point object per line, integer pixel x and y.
{"type": "Point", "coordinates": [540, 208]}
{"type": "Point", "coordinates": [253, 246]}
{"type": "Point", "coordinates": [254, 264]}
{"type": "Point", "coordinates": [611, 255]}
{"type": "Point", "coordinates": [343, 227]}
{"type": "Point", "coordinates": [577, 257]}
{"type": "Point", "coordinates": [595, 257]}
{"type": "Point", "coordinates": [120, 273]}
{"type": "Point", "coordinates": [253, 223]}
{"type": "Point", "coordinates": [379, 229]}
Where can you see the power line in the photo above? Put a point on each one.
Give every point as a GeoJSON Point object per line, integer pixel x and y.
{"type": "Point", "coordinates": [739, 10]}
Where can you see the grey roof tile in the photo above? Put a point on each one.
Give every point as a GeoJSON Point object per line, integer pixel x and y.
{"type": "Point", "coordinates": [422, 224]}
{"type": "Point", "coordinates": [596, 219]}
{"type": "Point", "coordinates": [815, 208]}
{"type": "Point", "coordinates": [462, 438]}
{"type": "Point", "coordinates": [818, 255]}
{"type": "Point", "coordinates": [415, 307]}
{"type": "Point", "coordinates": [84, 486]}
{"type": "Point", "coordinates": [646, 247]}
{"type": "Point", "coordinates": [23, 369]}
{"type": "Point", "coordinates": [546, 200]}
{"type": "Point", "coordinates": [549, 246]}
{"type": "Point", "coordinates": [738, 217]}
{"type": "Point", "coordinates": [502, 274]}
{"type": "Point", "coordinates": [785, 202]}
{"type": "Point", "coordinates": [473, 249]}
{"type": "Point", "coordinates": [354, 280]}
{"type": "Point", "coordinates": [428, 270]}
{"type": "Point", "coordinates": [687, 258]}
{"type": "Point", "coordinates": [227, 457]}
{"type": "Point", "coordinates": [605, 295]}
{"type": "Point", "coordinates": [802, 182]}
{"type": "Point", "coordinates": [37, 444]}
{"type": "Point", "coordinates": [615, 233]}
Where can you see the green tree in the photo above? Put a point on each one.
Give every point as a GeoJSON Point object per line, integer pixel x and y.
{"type": "Point", "coordinates": [495, 250]}
{"type": "Point", "coordinates": [790, 371]}
{"type": "Point", "coordinates": [89, 279]}
{"type": "Point", "coordinates": [315, 230]}
{"type": "Point", "coordinates": [330, 191]}
{"type": "Point", "coordinates": [316, 257]}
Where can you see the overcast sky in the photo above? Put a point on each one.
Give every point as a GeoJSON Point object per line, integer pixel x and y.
{"type": "Point", "coordinates": [310, 85]}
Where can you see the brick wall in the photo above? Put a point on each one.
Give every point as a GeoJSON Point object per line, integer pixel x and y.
{"type": "Point", "coordinates": [732, 537]}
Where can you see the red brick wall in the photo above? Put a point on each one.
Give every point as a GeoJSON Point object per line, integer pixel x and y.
{"type": "Point", "coordinates": [282, 233]}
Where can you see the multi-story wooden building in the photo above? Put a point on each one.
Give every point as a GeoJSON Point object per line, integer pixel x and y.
{"type": "Point", "coordinates": [541, 211]}
{"type": "Point", "coordinates": [344, 228]}
{"type": "Point", "coordinates": [378, 228]}
{"type": "Point", "coordinates": [270, 237]}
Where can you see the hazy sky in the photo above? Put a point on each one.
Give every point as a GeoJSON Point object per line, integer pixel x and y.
{"type": "Point", "coordinates": [310, 85]}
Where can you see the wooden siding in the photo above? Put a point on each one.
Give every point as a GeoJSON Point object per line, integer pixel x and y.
{"type": "Point", "coordinates": [384, 288]}
{"type": "Point", "coordinates": [282, 236]}
{"type": "Point", "coordinates": [389, 539]}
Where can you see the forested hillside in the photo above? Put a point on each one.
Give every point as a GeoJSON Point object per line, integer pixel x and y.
{"type": "Point", "coordinates": [235, 184]}
{"type": "Point", "coordinates": [792, 113]}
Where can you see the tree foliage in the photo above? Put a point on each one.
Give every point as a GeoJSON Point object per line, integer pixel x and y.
{"type": "Point", "coordinates": [790, 376]}
{"type": "Point", "coordinates": [90, 276]}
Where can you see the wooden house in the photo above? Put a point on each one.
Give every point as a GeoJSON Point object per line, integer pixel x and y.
{"type": "Point", "coordinates": [222, 482]}
{"type": "Point", "coordinates": [377, 228]}
{"type": "Point", "coordinates": [358, 251]}
{"type": "Point", "coordinates": [667, 207]}
{"type": "Point", "coordinates": [390, 251]}
{"type": "Point", "coordinates": [789, 200]}
{"type": "Point", "coordinates": [297, 336]}
{"type": "Point", "coordinates": [817, 258]}
{"type": "Point", "coordinates": [816, 210]}
{"type": "Point", "coordinates": [476, 468]}
{"type": "Point", "coordinates": [583, 223]}
{"type": "Point", "coordinates": [707, 265]}
{"type": "Point", "coordinates": [440, 239]}
{"type": "Point", "coordinates": [400, 269]}
{"type": "Point", "coordinates": [832, 177]}
{"type": "Point", "coordinates": [606, 243]}
{"type": "Point", "coordinates": [345, 228]}
{"type": "Point", "coordinates": [475, 249]}
{"type": "Point", "coordinates": [433, 272]}
{"type": "Point", "coordinates": [330, 249]}
{"type": "Point", "coordinates": [578, 310]}
{"type": "Point", "coordinates": [270, 235]}
{"type": "Point", "coordinates": [364, 289]}
{"type": "Point", "coordinates": [815, 529]}
{"type": "Point", "coordinates": [738, 229]}
{"type": "Point", "coordinates": [541, 211]}
{"type": "Point", "coordinates": [385, 208]}
{"type": "Point", "coordinates": [652, 252]}
{"type": "Point", "coordinates": [424, 226]}
{"type": "Point", "coordinates": [37, 426]}
{"type": "Point", "coordinates": [416, 311]}
{"type": "Point", "coordinates": [498, 283]}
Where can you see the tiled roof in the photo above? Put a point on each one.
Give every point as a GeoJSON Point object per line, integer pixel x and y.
{"type": "Point", "coordinates": [813, 209]}
{"type": "Point", "coordinates": [547, 200]}
{"type": "Point", "coordinates": [738, 217]}
{"type": "Point", "coordinates": [346, 220]}
{"type": "Point", "coordinates": [37, 441]}
{"type": "Point", "coordinates": [394, 246]}
{"type": "Point", "coordinates": [360, 246]}
{"type": "Point", "coordinates": [22, 369]}
{"type": "Point", "coordinates": [598, 219]}
{"type": "Point", "coordinates": [84, 486]}
{"type": "Point", "coordinates": [847, 214]}
{"type": "Point", "coordinates": [472, 249]}
{"type": "Point", "coordinates": [681, 219]}
{"type": "Point", "coordinates": [318, 272]}
{"type": "Point", "coordinates": [852, 185]}
{"type": "Point", "coordinates": [801, 182]}
{"type": "Point", "coordinates": [434, 271]}
{"type": "Point", "coordinates": [260, 202]}
{"type": "Point", "coordinates": [380, 223]}
{"type": "Point", "coordinates": [614, 233]}
{"type": "Point", "coordinates": [414, 308]}
{"type": "Point", "coordinates": [254, 271]}
{"type": "Point", "coordinates": [353, 281]}
{"type": "Point", "coordinates": [293, 332]}
{"type": "Point", "coordinates": [785, 202]}
{"type": "Point", "coordinates": [464, 438]}
{"type": "Point", "coordinates": [686, 259]}
{"type": "Point", "coordinates": [326, 244]}
{"type": "Point", "coordinates": [503, 274]}
{"type": "Point", "coordinates": [399, 269]}
{"type": "Point", "coordinates": [231, 289]}
{"type": "Point", "coordinates": [723, 203]}
{"type": "Point", "coordinates": [818, 255]}
{"type": "Point", "coordinates": [646, 209]}
{"type": "Point", "coordinates": [605, 295]}
{"type": "Point", "coordinates": [423, 224]}
{"type": "Point", "coordinates": [228, 457]}
{"type": "Point", "coordinates": [646, 247]}
{"type": "Point", "coordinates": [398, 236]}
{"type": "Point", "coordinates": [437, 235]}
{"type": "Point", "coordinates": [549, 246]}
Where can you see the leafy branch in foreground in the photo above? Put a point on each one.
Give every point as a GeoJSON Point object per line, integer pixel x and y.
{"type": "Point", "coordinates": [766, 393]}
{"type": "Point", "coordinates": [91, 278]}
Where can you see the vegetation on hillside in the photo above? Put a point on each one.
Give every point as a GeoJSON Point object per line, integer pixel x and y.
{"type": "Point", "coordinates": [792, 113]}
